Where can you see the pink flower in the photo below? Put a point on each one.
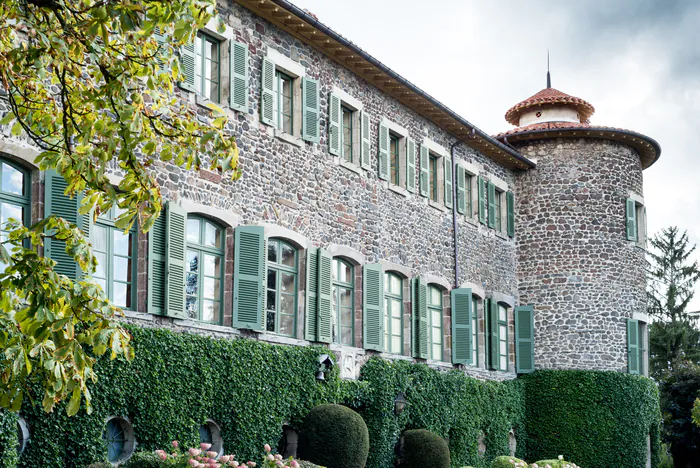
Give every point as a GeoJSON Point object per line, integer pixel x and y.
{"type": "Point", "coordinates": [204, 446]}
{"type": "Point", "coordinates": [279, 463]}
{"type": "Point", "coordinates": [251, 464]}
{"type": "Point", "coordinates": [224, 458]}
{"type": "Point", "coordinates": [270, 457]}
{"type": "Point", "coordinates": [278, 457]}
{"type": "Point", "coordinates": [194, 452]}
{"type": "Point", "coordinates": [193, 462]}
{"type": "Point", "coordinates": [211, 454]}
{"type": "Point", "coordinates": [175, 443]}
{"type": "Point", "coordinates": [295, 464]}
{"type": "Point", "coordinates": [163, 456]}
{"type": "Point", "coordinates": [233, 463]}
{"type": "Point", "coordinates": [267, 447]}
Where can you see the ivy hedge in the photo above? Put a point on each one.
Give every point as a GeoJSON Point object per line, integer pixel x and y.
{"type": "Point", "coordinates": [251, 389]}
{"type": "Point", "coordinates": [593, 418]}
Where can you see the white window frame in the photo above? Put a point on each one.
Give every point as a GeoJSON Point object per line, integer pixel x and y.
{"type": "Point", "coordinates": [640, 213]}
{"type": "Point", "coordinates": [442, 155]}
{"type": "Point", "coordinates": [295, 71]}
{"type": "Point", "coordinates": [501, 189]}
{"type": "Point", "coordinates": [211, 30]}
{"type": "Point", "coordinates": [350, 102]}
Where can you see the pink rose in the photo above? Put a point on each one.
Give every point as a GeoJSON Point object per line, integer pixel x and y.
{"type": "Point", "coordinates": [267, 447]}
{"type": "Point", "coordinates": [175, 443]}
{"type": "Point", "coordinates": [204, 446]}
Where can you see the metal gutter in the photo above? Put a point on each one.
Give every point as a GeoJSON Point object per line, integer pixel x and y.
{"type": "Point", "coordinates": [337, 37]}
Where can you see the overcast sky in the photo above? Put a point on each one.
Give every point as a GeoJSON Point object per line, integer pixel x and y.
{"type": "Point", "coordinates": [636, 61]}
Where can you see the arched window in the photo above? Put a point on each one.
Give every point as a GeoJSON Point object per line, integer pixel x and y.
{"type": "Point", "coordinates": [281, 300]}
{"type": "Point", "coordinates": [205, 269]}
{"type": "Point", "coordinates": [118, 437]}
{"type": "Point", "coordinates": [14, 196]}
{"type": "Point", "coordinates": [22, 435]}
{"type": "Point", "coordinates": [210, 433]}
{"type": "Point", "coordinates": [435, 321]}
{"type": "Point", "coordinates": [393, 313]}
{"type": "Point", "coordinates": [343, 301]}
{"type": "Point", "coordinates": [116, 256]}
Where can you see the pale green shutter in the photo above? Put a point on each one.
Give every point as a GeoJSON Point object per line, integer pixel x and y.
{"type": "Point", "coordinates": [410, 165]}
{"type": "Point", "coordinates": [510, 205]}
{"type": "Point", "coordinates": [525, 339]}
{"type": "Point", "coordinates": [449, 193]}
{"type": "Point", "coordinates": [364, 160]}
{"type": "Point", "coordinates": [334, 133]}
{"type": "Point", "coordinates": [311, 105]}
{"type": "Point", "coordinates": [481, 189]}
{"type": "Point", "coordinates": [492, 204]}
{"type": "Point", "coordinates": [61, 205]}
{"type": "Point", "coordinates": [640, 347]}
{"type": "Point", "coordinates": [631, 220]}
{"type": "Point", "coordinates": [187, 61]}
{"type": "Point", "coordinates": [633, 346]}
{"type": "Point", "coordinates": [311, 325]}
{"type": "Point", "coordinates": [238, 61]}
{"type": "Point", "coordinates": [383, 156]}
{"type": "Point", "coordinates": [175, 248]}
{"type": "Point", "coordinates": [373, 307]}
{"type": "Point", "coordinates": [494, 345]}
{"type": "Point", "coordinates": [156, 267]}
{"type": "Point", "coordinates": [325, 303]}
{"type": "Point", "coordinates": [461, 193]}
{"type": "Point", "coordinates": [461, 325]}
{"type": "Point", "coordinates": [420, 318]}
{"type": "Point", "coordinates": [424, 176]}
{"type": "Point", "coordinates": [267, 96]}
{"type": "Point", "coordinates": [249, 274]}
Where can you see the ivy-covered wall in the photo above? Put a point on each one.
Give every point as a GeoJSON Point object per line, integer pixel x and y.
{"type": "Point", "coordinates": [251, 389]}
{"type": "Point", "coordinates": [595, 419]}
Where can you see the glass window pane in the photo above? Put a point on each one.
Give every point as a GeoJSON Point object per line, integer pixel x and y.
{"type": "Point", "coordinates": [122, 269]}
{"type": "Point", "coordinates": [12, 180]}
{"type": "Point", "coordinates": [501, 313]}
{"type": "Point", "coordinates": [287, 283]}
{"type": "Point", "coordinates": [396, 284]}
{"type": "Point", "coordinates": [271, 279]}
{"type": "Point", "coordinates": [287, 304]}
{"type": "Point", "coordinates": [271, 300]}
{"type": "Point", "coordinates": [210, 311]}
{"type": "Point", "coordinates": [191, 285]}
{"type": "Point", "coordinates": [212, 236]}
{"type": "Point", "coordinates": [346, 317]}
{"type": "Point", "coordinates": [122, 294]}
{"type": "Point", "coordinates": [99, 238]}
{"type": "Point", "coordinates": [270, 324]}
{"type": "Point", "coordinates": [395, 344]}
{"type": "Point", "coordinates": [436, 335]}
{"type": "Point", "coordinates": [210, 288]}
{"type": "Point", "coordinates": [122, 243]}
{"type": "Point", "coordinates": [436, 318]}
{"type": "Point", "coordinates": [8, 211]}
{"type": "Point", "coordinates": [502, 348]}
{"type": "Point", "coordinates": [102, 283]}
{"type": "Point", "coordinates": [191, 306]}
{"type": "Point", "coordinates": [288, 256]}
{"type": "Point", "coordinates": [336, 266]}
{"type": "Point", "coordinates": [346, 297]}
{"type": "Point", "coordinates": [192, 260]}
{"type": "Point", "coordinates": [503, 363]}
{"type": "Point", "coordinates": [395, 308]}
{"type": "Point", "coordinates": [101, 270]}
{"type": "Point", "coordinates": [272, 252]}
{"type": "Point", "coordinates": [286, 324]}
{"type": "Point", "coordinates": [437, 352]}
{"type": "Point", "coordinates": [212, 265]}
{"type": "Point", "coordinates": [193, 230]}
{"type": "Point", "coordinates": [346, 335]}
{"type": "Point", "coordinates": [396, 326]}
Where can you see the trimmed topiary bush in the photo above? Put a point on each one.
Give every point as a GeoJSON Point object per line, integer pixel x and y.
{"type": "Point", "coordinates": [143, 460]}
{"type": "Point", "coordinates": [555, 464]}
{"type": "Point", "coordinates": [307, 464]}
{"type": "Point", "coordinates": [334, 436]}
{"type": "Point", "coordinates": [421, 448]}
{"type": "Point", "coordinates": [508, 462]}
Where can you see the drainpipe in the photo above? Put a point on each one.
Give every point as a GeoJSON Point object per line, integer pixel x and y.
{"type": "Point", "coordinates": [454, 207]}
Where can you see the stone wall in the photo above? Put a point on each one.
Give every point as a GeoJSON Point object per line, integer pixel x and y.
{"type": "Point", "coordinates": [574, 262]}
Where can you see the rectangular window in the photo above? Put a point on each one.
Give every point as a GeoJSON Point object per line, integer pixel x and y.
{"type": "Point", "coordinates": [475, 332]}
{"type": "Point", "coordinates": [433, 167]}
{"type": "Point", "coordinates": [284, 101]}
{"type": "Point", "coordinates": [346, 134]}
{"type": "Point", "coordinates": [394, 156]}
{"type": "Point", "coordinates": [343, 277]}
{"type": "Point", "coordinates": [435, 322]}
{"type": "Point", "coordinates": [468, 180]}
{"type": "Point", "coordinates": [502, 338]}
{"type": "Point", "coordinates": [207, 60]}
{"type": "Point", "coordinates": [281, 298]}
{"type": "Point", "coordinates": [393, 313]}
{"type": "Point", "coordinates": [498, 202]}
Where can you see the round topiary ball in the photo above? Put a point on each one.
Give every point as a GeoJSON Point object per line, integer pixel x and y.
{"type": "Point", "coordinates": [508, 462]}
{"type": "Point", "coordinates": [335, 437]}
{"type": "Point", "coordinates": [421, 448]}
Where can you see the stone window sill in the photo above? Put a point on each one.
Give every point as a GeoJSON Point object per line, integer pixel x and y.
{"type": "Point", "coordinates": [502, 235]}
{"type": "Point", "coordinates": [471, 220]}
{"type": "Point", "coordinates": [641, 246]}
{"type": "Point", "coordinates": [437, 206]}
{"type": "Point", "coordinates": [399, 190]}
{"type": "Point", "coordinates": [349, 166]}
{"type": "Point", "coordinates": [138, 315]}
{"type": "Point", "coordinates": [205, 326]}
{"type": "Point", "coordinates": [286, 137]}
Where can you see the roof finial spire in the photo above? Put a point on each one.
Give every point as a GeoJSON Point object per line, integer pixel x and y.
{"type": "Point", "coordinates": [549, 78]}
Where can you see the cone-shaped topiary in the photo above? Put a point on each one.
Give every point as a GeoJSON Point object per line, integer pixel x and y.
{"type": "Point", "coordinates": [421, 448]}
{"type": "Point", "coordinates": [335, 437]}
{"type": "Point", "coordinates": [508, 462]}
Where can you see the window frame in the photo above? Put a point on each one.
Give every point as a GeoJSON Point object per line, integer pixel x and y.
{"type": "Point", "coordinates": [22, 201]}
{"type": "Point", "coordinates": [474, 362]}
{"type": "Point", "coordinates": [109, 223]}
{"type": "Point", "coordinates": [435, 308]}
{"type": "Point", "coordinates": [336, 286]}
{"type": "Point", "coordinates": [469, 179]}
{"type": "Point", "coordinates": [346, 110]}
{"type": "Point", "coordinates": [206, 250]}
{"type": "Point", "coordinates": [499, 205]}
{"type": "Point", "coordinates": [390, 296]}
{"type": "Point", "coordinates": [395, 177]}
{"type": "Point", "coordinates": [502, 325]}
{"type": "Point", "coordinates": [204, 38]}
{"type": "Point", "coordinates": [280, 76]}
{"type": "Point", "coordinates": [434, 177]}
{"type": "Point", "coordinates": [281, 268]}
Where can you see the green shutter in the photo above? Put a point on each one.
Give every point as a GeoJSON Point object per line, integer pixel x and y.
{"type": "Point", "coordinates": [461, 325]}
{"type": "Point", "coordinates": [238, 61]}
{"type": "Point", "coordinates": [334, 125]}
{"type": "Point", "coordinates": [59, 204]}
{"type": "Point", "coordinates": [249, 272]}
{"type": "Point", "coordinates": [633, 346]}
{"type": "Point", "coordinates": [494, 345]}
{"type": "Point", "coordinates": [449, 193]}
{"type": "Point", "coordinates": [325, 303]}
{"type": "Point", "coordinates": [492, 204]}
{"type": "Point", "coordinates": [640, 347]}
{"type": "Point", "coordinates": [424, 176]}
{"type": "Point", "coordinates": [524, 339]}
{"type": "Point", "coordinates": [156, 267]}
{"type": "Point", "coordinates": [310, 108]}
{"type": "Point", "coordinates": [410, 165]}
{"type": "Point", "coordinates": [267, 96]}
{"type": "Point", "coordinates": [383, 156]}
{"type": "Point", "coordinates": [187, 61]}
{"type": "Point", "coordinates": [373, 307]}
{"type": "Point", "coordinates": [420, 318]}
{"type": "Point", "coordinates": [631, 220]}
{"type": "Point", "coordinates": [364, 120]}
{"type": "Point", "coordinates": [311, 325]}
{"type": "Point", "coordinates": [461, 192]}
{"type": "Point", "coordinates": [510, 205]}
{"type": "Point", "coordinates": [481, 189]}
{"type": "Point", "coordinates": [175, 251]}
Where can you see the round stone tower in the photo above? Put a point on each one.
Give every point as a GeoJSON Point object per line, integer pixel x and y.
{"type": "Point", "coordinates": [580, 231]}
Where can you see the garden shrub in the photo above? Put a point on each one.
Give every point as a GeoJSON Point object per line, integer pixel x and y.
{"type": "Point", "coordinates": [143, 460]}
{"type": "Point", "coordinates": [678, 393]}
{"type": "Point", "coordinates": [334, 436]}
{"type": "Point", "coordinates": [508, 462]}
{"type": "Point", "coordinates": [555, 464]}
{"type": "Point", "coordinates": [308, 464]}
{"type": "Point", "coordinates": [8, 439]}
{"type": "Point", "coordinates": [421, 448]}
